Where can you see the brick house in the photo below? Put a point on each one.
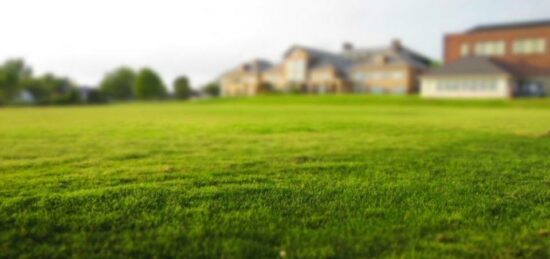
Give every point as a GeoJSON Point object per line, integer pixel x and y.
{"type": "Point", "coordinates": [521, 50]}
{"type": "Point", "coordinates": [392, 69]}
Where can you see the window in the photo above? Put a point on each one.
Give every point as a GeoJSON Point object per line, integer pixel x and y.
{"type": "Point", "coordinates": [490, 48]}
{"type": "Point", "coordinates": [297, 71]}
{"type": "Point", "coordinates": [250, 79]}
{"type": "Point", "coordinates": [359, 76]}
{"type": "Point", "coordinates": [397, 75]}
{"type": "Point", "coordinates": [466, 85]}
{"type": "Point", "coordinates": [400, 90]}
{"type": "Point", "coordinates": [273, 78]}
{"type": "Point", "coordinates": [375, 75]}
{"type": "Point", "coordinates": [381, 75]}
{"type": "Point", "coordinates": [530, 46]}
{"type": "Point", "coordinates": [465, 50]}
{"type": "Point", "coordinates": [323, 77]}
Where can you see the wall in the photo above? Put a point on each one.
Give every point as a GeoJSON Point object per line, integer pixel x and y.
{"type": "Point", "coordinates": [408, 79]}
{"type": "Point", "coordinates": [240, 83]}
{"type": "Point", "coordinates": [275, 78]}
{"type": "Point", "coordinates": [527, 64]}
{"type": "Point", "coordinates": [325, 80]}
{"type": "Point", "coordinates": [297, 54]}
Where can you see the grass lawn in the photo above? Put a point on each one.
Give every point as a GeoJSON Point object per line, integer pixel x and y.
{"type": "Point", "coordinates": [281, 176]}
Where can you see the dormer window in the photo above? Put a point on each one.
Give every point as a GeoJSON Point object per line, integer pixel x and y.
{"type": "Point", "coordinates": [296, 70]}
{"type": "Point", "coordinates": [381, 59]}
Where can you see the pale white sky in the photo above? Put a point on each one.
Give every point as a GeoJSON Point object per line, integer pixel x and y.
{"type": "Point", "coordinates": [84, 39]}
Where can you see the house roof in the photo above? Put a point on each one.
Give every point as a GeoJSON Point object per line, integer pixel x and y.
{"type": "Point", "coordinates": [401, 55]}
{"type": "Point", "coordinates": [275, 68]}
{"type": "Point", "coordinates": [516, 25]}
{"type": "Point", "coordinates": [253, 66]}
{"type": "Point", "coordinates": [257, 65]}
{"type": "Point", "coordinates": [471, 66]}
{"type": "Point", "coordinates": [321, 58]}
{"type": "Point", "coordinates": [345, 60]}
{"type": "Point", "coordinates": [342, 62]}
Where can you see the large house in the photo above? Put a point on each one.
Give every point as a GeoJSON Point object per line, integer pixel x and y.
{"type": "Point", "coordinates": [493, 61]}
{"type": "Point", "coordinates": [391, 69]}
{"type": "Point", "coordinates": [246, 79]}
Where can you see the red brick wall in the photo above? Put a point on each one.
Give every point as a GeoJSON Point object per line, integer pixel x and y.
{"type": "Point", "coordinates": [530, 64]}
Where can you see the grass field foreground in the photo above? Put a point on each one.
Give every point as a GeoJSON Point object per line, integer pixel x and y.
{"type": "Point", "coordinates": [281, 176]}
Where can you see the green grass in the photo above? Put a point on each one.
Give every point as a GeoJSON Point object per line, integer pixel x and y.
{"type": "Point", "coordinates": [332, 176]}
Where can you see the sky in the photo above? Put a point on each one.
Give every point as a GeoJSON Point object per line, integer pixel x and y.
{"type": "Point", "coordinates": [84, 39]}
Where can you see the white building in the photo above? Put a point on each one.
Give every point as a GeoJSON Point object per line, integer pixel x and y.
{"type": "Point", "coordinates": [474, 77]}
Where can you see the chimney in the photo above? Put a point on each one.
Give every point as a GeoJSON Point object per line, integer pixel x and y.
{"type": "Point", "coordinates": [396, 45]}
{"type": "Point", "coordinates": [347, 46]}
{"type": "Point", "coordinates": [256, 62]}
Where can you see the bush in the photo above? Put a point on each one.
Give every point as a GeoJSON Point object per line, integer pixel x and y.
{"type": "Point", "coordinates": [212, 89]}
{"type": "Point", "coordinates": [295, 88]}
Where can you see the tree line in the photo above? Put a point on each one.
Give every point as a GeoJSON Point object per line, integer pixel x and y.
{"type": "Point", "coordinates": [19, 85]}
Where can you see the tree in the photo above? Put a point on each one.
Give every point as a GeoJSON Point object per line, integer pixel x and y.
{"type": "Point", "coordinates": [38, 88]}
{"type": "Point", "coordinates": [148, 85]}
{"type": "Point", "coordinates": [95, 96]}
{"type": "Point", "coordinates": [212, 89]}
{"type": "Point", "coordinates": [60, 90]}
{"type": "Point", "coordinates": [119, 84]}
{"type": "Point", "coordinates": [12, 73]}
{"type": "Point", "coordinates": [182, 89]}
{"type": "Point", "coordinates": [16, 76]}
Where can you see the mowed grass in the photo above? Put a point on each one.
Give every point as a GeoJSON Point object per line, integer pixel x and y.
{"type": "Point", "coordinates": [281, 176]}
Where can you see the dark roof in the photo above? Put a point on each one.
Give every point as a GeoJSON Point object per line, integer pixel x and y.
{"type": "Point", "coordinates": [258, 65]}
{"type": "Point", "coordinates": [401, 55]}
{"type": "Point", "coordinates": [471, 66]}
{"type": "Point", "coordinates": [255, 66]}
{"type": "Point", "coordinates": [346, 60]}
{"type": "Point", "coordinates": [516, 25]}
{"type": "Point", "coordinates": [320, 58]}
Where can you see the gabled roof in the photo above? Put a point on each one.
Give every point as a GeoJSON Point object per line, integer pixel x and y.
{"type": "Point", "coordinates": [253, 66]}
{"type": "Point", "coordinates": [321, 58]}
{"type": "Point", "coordinates": [504, 26]}
{"type": "Point", "coordinates": [471, 66]}
{"type": "Point", "coordinates": [257, 65]}
{"type": "Point", "coordinates": [275, 68]}
{"type": "Point", "coordinates": [401, 55]}
{"type": "Point", "coordinates": [344, 61]}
